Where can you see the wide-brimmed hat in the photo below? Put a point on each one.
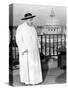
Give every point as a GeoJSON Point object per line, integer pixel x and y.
{"type": "Point", "coordinates": [28, 16]}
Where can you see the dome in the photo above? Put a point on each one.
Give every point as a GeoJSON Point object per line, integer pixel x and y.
{"type": "Point", "coordinates": [52, 19]}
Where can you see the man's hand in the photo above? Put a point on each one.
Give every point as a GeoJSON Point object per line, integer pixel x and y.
{"type": "Point", "coordinates": [25, 51]}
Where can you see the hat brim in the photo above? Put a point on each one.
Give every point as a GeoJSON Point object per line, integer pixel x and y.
{"type": "Point", "coordinates": [28, 18]}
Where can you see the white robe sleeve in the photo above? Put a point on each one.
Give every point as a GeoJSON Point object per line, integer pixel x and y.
{"type": "Point", "coordinates": [19, 40]}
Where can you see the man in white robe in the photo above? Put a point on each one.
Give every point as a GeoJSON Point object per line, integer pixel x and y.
{"type": "Point", "coordinates": [29, 59]}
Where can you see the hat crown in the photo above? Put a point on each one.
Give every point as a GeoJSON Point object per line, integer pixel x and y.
{"type": "Point", "coordinates": [28, 15]}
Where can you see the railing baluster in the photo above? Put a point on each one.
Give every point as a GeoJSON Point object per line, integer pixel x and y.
{"type": "Point", "coordinates": [45, 45]}
{"type": "Point", "coordinates": [57, 44]}
{"type": "Point", "coordinates": [41, 43]}
{"type": "Point", "coordinates": [53, 44]}
{"type": "Point", "coordinates": [61, 40]}
{"type": "Point", "coordinates": [49, 45]}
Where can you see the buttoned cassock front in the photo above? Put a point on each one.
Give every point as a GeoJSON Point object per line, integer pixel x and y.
{"type": "Point", "coordinates": [30, 67]}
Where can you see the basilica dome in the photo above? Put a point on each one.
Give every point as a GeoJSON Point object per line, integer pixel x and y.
{"type": "Point", "coordinates": [52, 19]}
{"type": "Point", "coordinates": [52, 25]}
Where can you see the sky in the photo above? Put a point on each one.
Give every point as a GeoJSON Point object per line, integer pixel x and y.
{"type": "Point", "coordinates": [42, 13]}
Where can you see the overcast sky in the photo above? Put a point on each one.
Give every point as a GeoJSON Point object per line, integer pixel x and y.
{"type": "Point", "coordinates": [41, 12]}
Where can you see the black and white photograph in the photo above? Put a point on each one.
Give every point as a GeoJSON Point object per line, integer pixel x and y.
{"type": "Point", "coordinates": [37, 45]}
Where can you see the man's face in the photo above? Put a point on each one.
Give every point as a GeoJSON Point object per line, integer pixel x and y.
{"type": "Point", "coordinates": [30, 21]}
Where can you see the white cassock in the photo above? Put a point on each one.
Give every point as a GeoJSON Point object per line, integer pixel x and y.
{"type": "Point", "coordinates": [30, 66]}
